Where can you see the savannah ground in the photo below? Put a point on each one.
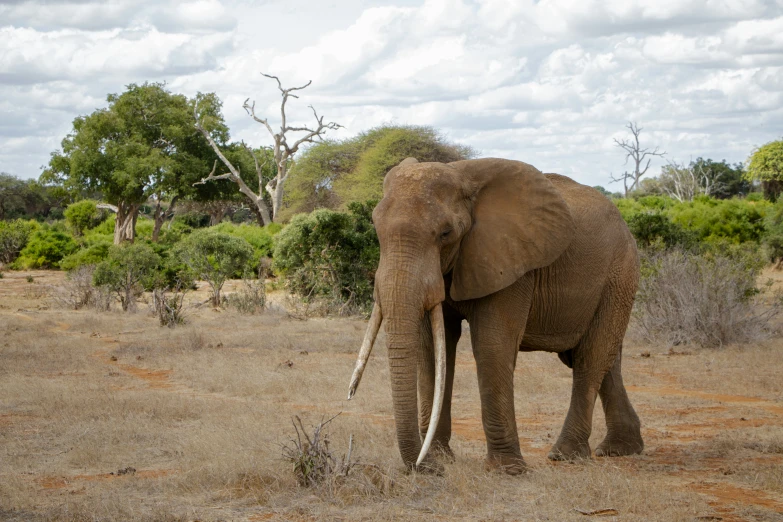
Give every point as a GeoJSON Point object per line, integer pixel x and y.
{"type": "Point", "coordinates": [200, 413]}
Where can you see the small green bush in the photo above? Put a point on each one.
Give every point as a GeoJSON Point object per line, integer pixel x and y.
{"type": "Point", "coordinates": [214, 257]}
{"type": "Point", "coordinates": [651, 226]}
{"type": "Point", "coordinates": [260, 238]}
{"type": "Point", "coordinates": [332, 255]}
{"type": "Point", "coordinates": [46, 247]}
{"type": "Point", "coordinates": [127, 271]}
{"type": "Point", "coordinates": [14, 236]}
{"type": "Point", "coordinates": [83, 215]}
{"type": "Point", "coordinates": [91, 255]}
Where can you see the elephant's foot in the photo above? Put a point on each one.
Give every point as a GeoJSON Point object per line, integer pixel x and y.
{"type": "Point", "coordinates": [619, 445]}
{"type": "Point", "coordinates": [442, 451]}
{"type": "Point", "coordinates": [569, 450]}
{"type": "Point", "coordinates": [509, 464]}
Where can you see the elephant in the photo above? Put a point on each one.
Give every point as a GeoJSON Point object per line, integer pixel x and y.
{"type": "Point", "coordinates": [533, 262]}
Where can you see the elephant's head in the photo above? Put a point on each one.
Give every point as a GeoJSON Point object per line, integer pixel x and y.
{"type": "Point", "coordinates": [486, 222]}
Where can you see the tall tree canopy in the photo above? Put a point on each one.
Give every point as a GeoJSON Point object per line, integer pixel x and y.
{"type": "Point", "coordinates": [331, 174]}
{"type": "Point", "coordinates": [766, 165]}
{"type": "Point", "coordinates": [142, 145]}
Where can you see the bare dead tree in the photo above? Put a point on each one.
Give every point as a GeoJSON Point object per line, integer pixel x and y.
{"type": "Point", "coordinates": [641, 159]}
{"type": "Point", "coordinates": [233, 174]}
{"type": "Point", "coordinates": [283, 152]}
{"type": "Point", "coordinates": [685, 182]}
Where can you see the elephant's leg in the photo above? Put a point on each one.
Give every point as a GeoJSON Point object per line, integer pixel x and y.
{"type": "Point", "coordinates": [496, 327]}
{"type": "Point", "coordinates": [426, 382]}
{"type": "Point", "coordinates": [593, 358]}
{"type": "Point", "coordinates": [623, 428]}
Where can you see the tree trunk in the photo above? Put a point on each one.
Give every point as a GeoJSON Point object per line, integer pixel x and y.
{"type": "Point", "coordinates": [158, 216]}
{"type": "Point", "coordinates": [277, 199]}
{"type": "Point", "coordinates": [125, 224]}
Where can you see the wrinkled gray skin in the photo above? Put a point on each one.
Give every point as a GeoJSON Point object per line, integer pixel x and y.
{"type": "Point", "coordinates": [533, 262]}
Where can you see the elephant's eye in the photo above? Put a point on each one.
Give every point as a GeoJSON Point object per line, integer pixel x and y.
{"type": "Point", "coordinates": [445, 234]}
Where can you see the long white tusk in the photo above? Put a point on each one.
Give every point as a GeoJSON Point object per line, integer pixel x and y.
{"type": "Point", "coordinates": [439, 340]}
{"type": "Point", "coordinates": [364, 352]}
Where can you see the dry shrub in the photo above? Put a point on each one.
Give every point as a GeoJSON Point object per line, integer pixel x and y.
{"type": "Point", "coordinates": [705, 299]}
{"type": "Point", "coordinates": [78, 291]}
{"type": "Point", "coordinates": [168, 305]}
{"type": "Point", "coordinates": [250, 299]}
{"type": "Point", "coordinates": [313, 462]}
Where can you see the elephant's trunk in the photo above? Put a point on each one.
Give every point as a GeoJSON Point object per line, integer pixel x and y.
{"type": "Point", "coordinates": [404, 316]}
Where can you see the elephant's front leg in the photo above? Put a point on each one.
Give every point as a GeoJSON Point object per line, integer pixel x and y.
{"type": "Point", "coordinates": [426, 382]}
{"type": "Point", "coordinates": [496, 328]}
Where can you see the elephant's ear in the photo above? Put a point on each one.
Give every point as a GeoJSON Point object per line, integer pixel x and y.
{"type": "Point", "coordinates": [520, 223]}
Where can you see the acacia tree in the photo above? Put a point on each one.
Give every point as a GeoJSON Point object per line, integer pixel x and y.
{"type": "Point", "coordinates": [331, 173]}
{"type": "Point", "coordinates": [635, 152]}
{"type": "Point", "coordinates": [138, 147]}
{"type": "Point", "coordinates": [766, 165]}
{"type": "Point", "coordinates": [207, 114]}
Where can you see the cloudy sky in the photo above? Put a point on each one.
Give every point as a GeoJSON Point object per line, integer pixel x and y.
{"type": "Point", "coordinates": [550, 82]}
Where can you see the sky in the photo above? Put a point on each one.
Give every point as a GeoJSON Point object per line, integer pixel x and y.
{"type": "Point", "coordinates": [548, 82]}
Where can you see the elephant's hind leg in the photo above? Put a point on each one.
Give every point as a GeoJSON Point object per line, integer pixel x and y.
{"type": "Point", "coordinates": [623, 435]}
{"type": "Point", "coordinates": [593, 358]}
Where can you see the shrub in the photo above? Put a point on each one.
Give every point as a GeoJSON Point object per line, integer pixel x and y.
{"type": "Point", "coordinates": [92, 255]}
{"type": "Point", "coordinates": [250, 299]}
{"type": "Point", "coordinates": [127, 270]}
{"type": "Point", "coordinates": [651, 226]}
{"type": "Point", "coordinates": [78, 291]}
{"type": "Point", "coordinates": [312, 461]}
{"type": "Point", "coordinates": [168, 305]}
{"type": "Point", "coordinates": [214, 257]}
{"type": "Point", "coordinates": [14, 236]}
{"type": "Point", "coordinates": [733, 219]}
{"type": "Point", "coordinates": [332, 255]}
{"type": "Point", "coordinates": [83, 215]}
{"type": "Point", "coordinates": [708, 298]}
{"type": "Point", "coordinates": [260, 238]}
{"type": "Point", "coordinates": [46, 247]}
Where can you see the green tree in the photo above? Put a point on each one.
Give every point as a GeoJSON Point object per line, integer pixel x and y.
{"type": "Point", "coordinates": [13, 238]}
{"type": "Point", "coordinates": [214, 257]}
{"type": "Point", "coordinates": [726, 180]}
{"type": "Point", "coordinates": [127, 271]}
{"type": "Point", "coordinates": [332, 174]}
{"type": "Point", "coordinates": [138, 147]}
{"type": "Point", "coordinates": [82, 215]}
{"type": "Point", "coordinates": [766, 165]}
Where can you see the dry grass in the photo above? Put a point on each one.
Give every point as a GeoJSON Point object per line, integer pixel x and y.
{"type": "Point", "coordinates": [201, 411]}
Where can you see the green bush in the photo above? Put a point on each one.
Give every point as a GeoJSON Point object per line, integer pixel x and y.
{"type": "Point", "coordinates": [736, 220]}
{"type": "Point", "coordinates": [127, 271]}
{"type": "Point", "coordinates": [14, 236]}
{"type": "Point", "coordinates": [91, 255]}
{"type": "Point", "coordinates": [214, 257]}
{"type": "Point", "coordinates": [651, 226]}
{"type": "Point", "coordinates": [83, 215]}
{"type": "Point", "coordinates": [46, 247]}
{"type": "Point", "coordinates": [260, 238]}
{"type": "Point", "coordinates": [330, 255]}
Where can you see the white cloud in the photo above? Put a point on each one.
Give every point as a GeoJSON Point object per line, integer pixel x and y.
{"type": "Point", "coordinates": [549, 82]}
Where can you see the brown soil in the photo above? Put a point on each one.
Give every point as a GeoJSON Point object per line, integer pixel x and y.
{"type": "Point", "coordinates": [200, 408]}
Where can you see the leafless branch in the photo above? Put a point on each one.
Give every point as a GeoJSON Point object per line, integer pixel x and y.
{"type": "Point", "coordinates": [640, 156]}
